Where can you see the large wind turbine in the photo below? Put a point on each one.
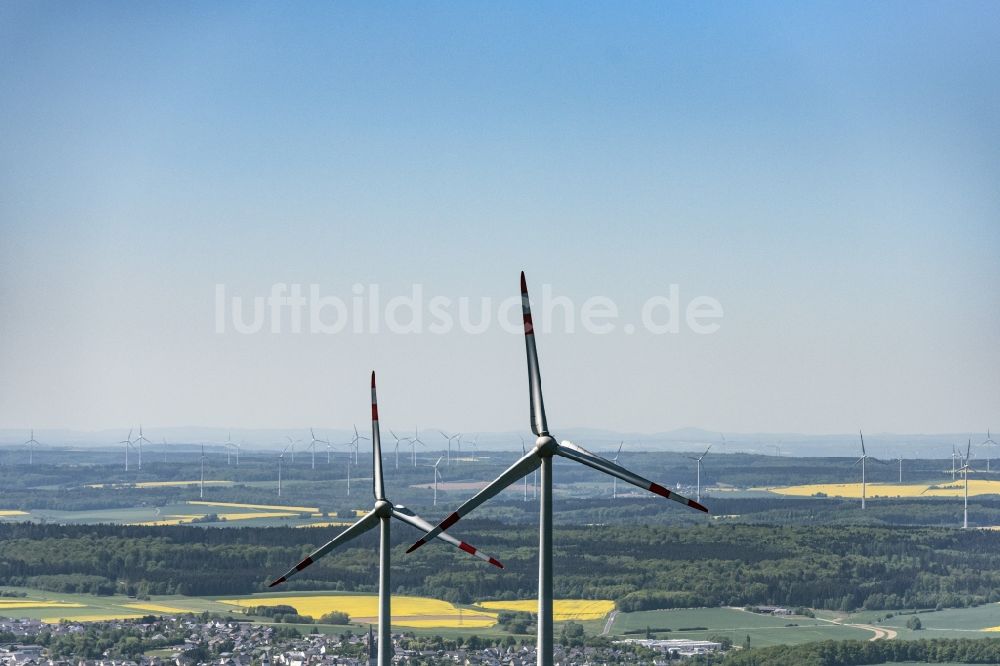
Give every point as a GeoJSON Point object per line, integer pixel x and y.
{"type": "Point", "coordinates": [139, 440]}
{"type": "Point", "coordinates": [437, 476]}
{"type": "Point", "coordinates": [128, 444]}
{"type": "Point", "coordinates": [413, 444]}
{"type": "Point", "coordinates": [201, 487]}
{"type": "Point", "coordinates": [32, 443]}
{"type": "Point", "coordinates": [449, 438]}
{"type": "Point", "coordinates": [698, 464]}
{"type": "Point", "coordinates": [281, 460]}
{"type": "Point", "coordinates": [380, 515]}
{"type": "Point", "coordinates": [355, 442]}
{"type": "Point", "coordinates": [863, 460]}
{"type": "Point", "coordinates": [398, 440]}
{"type": "Point", "coordinates": [614, 481]}
{"type": "Point", "coordinates": [965, 469]}
{"type": "Point", "coordinates": [987, 444]}
{"type": "Point", "coordinates": [312, 445]}
{"type": "Point", "coordinates": [541, 455]}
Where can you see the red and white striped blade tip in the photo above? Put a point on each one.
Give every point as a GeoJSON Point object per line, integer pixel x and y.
{"type": "Point", "coordinates": [664, 492]}
{"type": "Point", "coordinates": [524, 284]}
{"type": "Point", "coordinates": [472, 550]}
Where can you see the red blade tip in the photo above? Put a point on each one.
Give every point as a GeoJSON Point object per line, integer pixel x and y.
{"type": "Point", "coordinates": [373, 379]}
{"type": "Point", "coordinates": [696, 505]}
{"type": "Point", "coordinates": [524, 284]}
{"type": "Point", "coordinates": [418, 544]}
{"type": "Point", "coordinates": [277, 581]}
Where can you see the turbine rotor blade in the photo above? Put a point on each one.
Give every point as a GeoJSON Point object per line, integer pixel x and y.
{"type": "Point", "coordinates": [378, 484]}
{"type": "Point", "coordinates": [409, 517]}
{"type": "Point", "coordinates": [583, 456]}
{"type": "Point", "coordinates": [538, 424]}
{"type": "Point", "coordinates": [525, 465]}
{"type": "Point", "coordinates": [368, 521]}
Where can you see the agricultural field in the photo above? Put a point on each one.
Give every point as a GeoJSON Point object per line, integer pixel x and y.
{"type": "Point", "coordinates": [977, 622]}
{"type": "Point", "coordinates": [736, 624]}
{"type": "Point", "coordinates": [406, 611]}
{"type": "Point", "coordinates": [563, 609]}
{"type": "Point", "coordinates": [946, 488]}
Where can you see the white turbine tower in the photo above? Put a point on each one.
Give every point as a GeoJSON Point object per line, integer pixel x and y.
{"type": "Point", "coordinates": [988, 444]}
{"type": "Point", "coordinates": [312, 445]}
{"type": "Point", "coordinates": [523, 452]}
{"type": "Point", "coordinates": [413, 445]}
{"type": "Point", "coordinates": [355, 443]}
{"type": "Point", "coordinates": [450, 438]}
{"type": "Point", "coordinates": [541, 455]}
{"type": "Point", "coordinates": [128, 444]}
{"type": "Point", "coordinates": [900, 459]}
{"type": "Point", "coordinates": [281, 461]}
{"type": "Point", "coordinates": [201, 486]}
{"type": "Point", "coordinates": [954, 469]}
{"type": "Point", "coordinates": [32, 443]}
{"type": "Point", "coordinates": [291, 448]}
{"type": "Point", "coordinates": [614, 481]}
{"type": "Point", "coordinates": [698, 464]}
{"type": "Point", "coordinates": [864, 461]}
{"type": "Point", "coordinates": [139, 440]}
{"type": "Point", "coordinates": [230, 447]}
{"type": "Point", "coordinates": [965, 469]}
{"type": "Point", "coordinates": [437, 477]}
{"type": "Point", "coordinates": [381, 515]}
{"type": "Point", "coordinates": [398, 440]}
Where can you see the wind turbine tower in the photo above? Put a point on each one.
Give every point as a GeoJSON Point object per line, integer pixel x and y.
{"type": "Point", "coordinates": [965, 469]}
{"type": "Point", "coordinates": [32, 443]}
{"type": "Point", "coordinates": [540, 456]}
{"type": "Point", "coordinates": [698, 464]}
{"type": "Point", "coordinates": [381, 515]}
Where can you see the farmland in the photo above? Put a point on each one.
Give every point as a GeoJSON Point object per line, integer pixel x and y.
{"type": "Point", "coordinates": [563, 609]}
{"type": "Point", "coordinates": [853, 490]}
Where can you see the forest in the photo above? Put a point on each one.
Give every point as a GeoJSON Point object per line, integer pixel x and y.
{"type": "Point", "coordinates": [857, 653]}
{"type": "Point", "coordinates": [640, 567]}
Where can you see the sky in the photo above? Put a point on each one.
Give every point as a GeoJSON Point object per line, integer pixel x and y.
{"type": "Point", "coordinates": [823, 175]}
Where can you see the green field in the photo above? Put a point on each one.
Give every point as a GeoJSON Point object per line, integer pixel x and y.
{"type": "Point", "coordinates": [736, 624]}
{"type": "Point", "coordinates": [947, 623]}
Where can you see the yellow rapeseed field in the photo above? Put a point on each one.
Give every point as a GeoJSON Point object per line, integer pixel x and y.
{"type": "Point", "coordinates": [946, 488]}
{"type": "Point", "coordinates": [259, 514]}
{"type": "Point", "coordinates": [406, 611]}
{"type": "Point", "coordinates": [259, 507]}
{"type": "Point", "coordinates": [12, 512]}
{"type": "Point", "coordinates": [93, 618]}
{"type": "Point", "coordinates": [562, 609]}
{"type": "Point", "coordinates": [158, 608]}
{"type": "Point", "coordinates": [327, 523]}
{"type": "Point", "coordinates": [8, 604]}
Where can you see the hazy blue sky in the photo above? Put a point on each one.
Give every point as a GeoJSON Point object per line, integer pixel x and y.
{"type": "Point", "coordinates": [827, 171]}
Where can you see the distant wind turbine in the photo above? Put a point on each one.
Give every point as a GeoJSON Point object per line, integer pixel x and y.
{"type": "Point", "coordinates": [281, 461]}
{"type": "Point", "coordinates": [230, 447]}
{"type": "Point", "coordinates": [614, 480]}
{"type": "Point", "coordinates": [965, 469]}
{"type": "Point", "coordinates": [437, 476]}
{"type": "Point", "coordinates": [413, 444]}
{"type": "Point", "coordinates": [128, 444]}
{"type": "Point", "coordinates": [201, 490]}
{"type": "Point", "coordinates": [312, 445]}
{"type": "Point", "coordinates": [698, 461]}
{"type": "Point", "coordinates": [864, 460]}
{"type": "Point", "coordinates": [988, 444]}
{"type": "Point", "coordinates": [139, 440]}
{"type": "Point", "coordinates": [546, 447]}
{"type": "Point", "coordinates": [355, 442]}
{"type": "Point", "coordinates": [450, 438]}
{"type": "Point", "coordinates": [381, 515]}
{"type": "Point", "coordinates": [32, 443]}
{"type": "Point", "coordinates": [398, 440]}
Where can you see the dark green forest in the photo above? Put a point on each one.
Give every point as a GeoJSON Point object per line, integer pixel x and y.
{"type": "Point", "coordinates": [840, 568]}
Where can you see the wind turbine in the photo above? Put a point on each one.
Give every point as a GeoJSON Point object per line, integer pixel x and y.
{"type": "Point", "coordinates": [698, 461]}
{"type": "Point", "coordinates": [863, 460]}
{"type": "Point", "coordinates": [355, 442]}
{"type": "Point", "coordinates": [312, 445]}
{"type": "Point", "coordinates": [523, 452]}
{"type": "Point", "coordinates": [381, 515]}
{"type": "Point", "coordinates": [201, 489]}
{"type": "Point", "coordinates": [230, 447]}
{"type": "Point", "coordinates": [988, 443]}
{"type": "Point", "coordinates": [474, 443]}
{"type": "Point", "coordinates": [965, 469]}
{"type": "Point", "coordinates": [437, 475]}
{"type": "Point", "coordinates": [413, 445]}
{"type": "Point", "coordinates": [541, 456]}
{"type": "Point", "coordinates": [900, 459]}
{"type": "Point", "coordinates": [398, 440]}
{"type": "Point", "coordinates": [281, 460]}
{"type": "Point", "coordinates": [614, 481]}
{"type": "Point", "coordinates": [32, 443]}
{"type": "Point", "coordinates": [128, 444]}
{"type": "Point", "coordinates": [449, 438]}
{"type": "Point", "coordinates": [291, 447]}
{"type": "Point", "coordinates": [139, 440]}
{"type": "Point", "coordinates": [954, 470]}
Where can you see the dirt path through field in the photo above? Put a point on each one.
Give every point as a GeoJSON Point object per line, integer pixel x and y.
{"type": "Point", "coordinates": [611, 620]}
